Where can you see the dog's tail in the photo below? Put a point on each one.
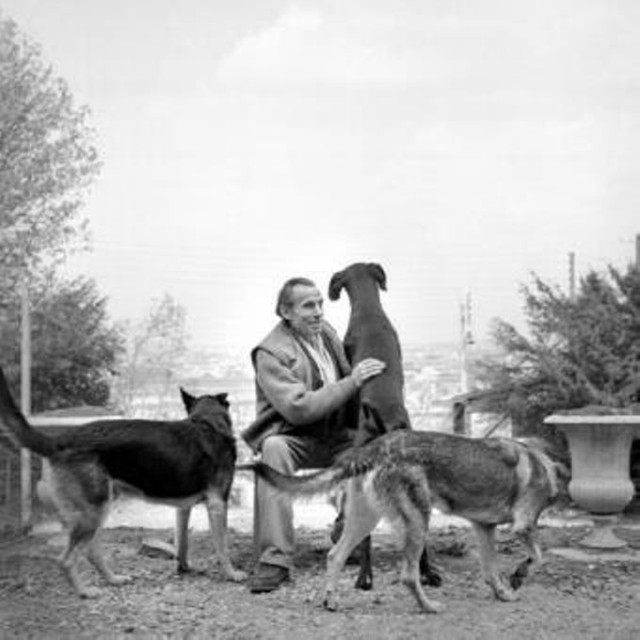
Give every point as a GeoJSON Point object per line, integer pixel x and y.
{"type": "Point", "coordinates": [310, 484]}
{"type": "Point", "coordinates": [356, 461]}
{"type": "Point", "coordinates": [20, 431]}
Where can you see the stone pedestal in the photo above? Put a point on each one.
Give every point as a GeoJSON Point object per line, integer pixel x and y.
{"type": "Point", "coordinates": [600, 446]}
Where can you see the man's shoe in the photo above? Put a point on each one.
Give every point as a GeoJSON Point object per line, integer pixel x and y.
{"type": "Point", "coordinates": [268, 577]}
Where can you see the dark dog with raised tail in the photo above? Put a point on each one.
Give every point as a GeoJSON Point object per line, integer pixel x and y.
{"type": "Point", "coordinates": [178, 463]}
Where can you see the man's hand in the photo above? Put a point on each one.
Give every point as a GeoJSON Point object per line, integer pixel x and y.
{"type": "Point", "coordinates": [366, 369]}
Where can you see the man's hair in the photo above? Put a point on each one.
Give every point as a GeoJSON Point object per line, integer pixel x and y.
{"type": "Point", "coordinates": [284, 296]}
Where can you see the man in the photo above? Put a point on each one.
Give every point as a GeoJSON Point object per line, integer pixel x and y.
{"type": "Point", "coordinates": [303, 385]}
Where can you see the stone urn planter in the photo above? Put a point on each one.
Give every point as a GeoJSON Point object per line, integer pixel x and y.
{"type": "Point", "coordinates": [600, 448]}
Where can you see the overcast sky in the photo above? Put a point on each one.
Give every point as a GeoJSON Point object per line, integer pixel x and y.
{"type": "Point", "coordinates": [462, 145]}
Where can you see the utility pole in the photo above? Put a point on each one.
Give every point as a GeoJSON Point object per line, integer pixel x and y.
{"type": "Point", "coordinates": [572, 275]}
{"type": "Point", "coordinates": [25, 403]}
{"type": "Point", "coordinates": [466, 340]}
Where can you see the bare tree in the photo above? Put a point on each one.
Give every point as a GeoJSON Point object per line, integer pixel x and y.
{"type": "Point", "coordinates": [155, 350]}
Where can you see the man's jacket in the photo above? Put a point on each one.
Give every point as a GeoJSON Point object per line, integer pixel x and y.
{"type": "Point", "coordinates": [290, 396]}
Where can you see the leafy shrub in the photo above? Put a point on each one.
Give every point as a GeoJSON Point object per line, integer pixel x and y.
{"type": "Point", "coordinates": [582, 352]}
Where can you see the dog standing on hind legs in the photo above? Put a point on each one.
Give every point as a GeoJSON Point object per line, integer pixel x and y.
{"type": "Point", "coordinates": [178, 463]}
{"type": "Point", "coordinates": [382, 410]}
{"type": "Point", "coordinates": [403, 475]}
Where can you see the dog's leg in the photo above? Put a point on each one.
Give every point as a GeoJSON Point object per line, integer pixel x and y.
{"type": "Point", "coordinates": [364, 580]}
{"type": "Point", "coordinates": [361, 555]}
{"type": "Point", "coordinates": [96, 558]}
{"type": "Point", "coordinates": [361, 518]}
{"type": "Point", "coordinates": [217, 510]}
{"type": "Point", "coordinates": [429, 574]}
{"type": "Point", "coordinates": [416, 524]}
{"type": "Point", "coordinates": [81, 497]}
{"type": "Point", "coordinates": [486, 539]}
{"type": "Point", "coordinates": [182, 539]}
{"type": "Point", "coordinates": [80, 537]}
{"type": "Point", "coordinates": [528, 533]}
{"type": "Point", "coordinates": [94, 549]}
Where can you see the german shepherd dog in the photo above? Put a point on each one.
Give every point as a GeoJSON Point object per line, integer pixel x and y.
{"type": "Point", "coordinates": [403, 475]}
{"type": "Point", "coordinates": [177, 463]}
{"type": "Point", "coordinates": [370, 334]}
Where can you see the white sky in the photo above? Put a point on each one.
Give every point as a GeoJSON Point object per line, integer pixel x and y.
{"type": "Point", "coordinates": [462, 145]}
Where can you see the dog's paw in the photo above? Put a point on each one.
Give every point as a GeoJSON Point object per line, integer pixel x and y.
{"type": "Point", "coordinates": [330, 603]}
{"type": "Point", "coordinates": [508, 596]}
{"type": "Point", "coordinates": [505, 594]}
{"type": "Point", "coordinates": [90, 593]}
{"type": "Point", "coordinates": [189, 570]}
{"type": "Point", "coordinates": [431, 578]}
{"type": "Point", "coordinates": [516, 580]}
{"type": "Point", "coordinates": [433, 606]}
{"type": "Point", "coordinates": [501, 590]}
{"type": "Point", "coordinates": [364, 581]}
{"type": "Point", "coordinates": [237, 575]}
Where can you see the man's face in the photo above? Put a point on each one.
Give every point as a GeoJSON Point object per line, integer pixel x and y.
{"type": "Point", "coordinates": [305, 313]}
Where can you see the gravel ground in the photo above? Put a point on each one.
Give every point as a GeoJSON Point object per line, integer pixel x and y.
{"type": "Point", "coordinates": [564, 599]}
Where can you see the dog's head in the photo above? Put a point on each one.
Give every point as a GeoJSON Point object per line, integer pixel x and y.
{"type": "Point", "coordinates": [356, 273]}
{"type": "Point", "coordinates": [213, 409]}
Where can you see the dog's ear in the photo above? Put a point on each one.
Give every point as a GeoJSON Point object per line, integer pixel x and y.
{"type": "Point", "coordinates": [187, 400]}
{"type": "Point", "coordinates": [222, 398]}
{"type": "Point", "coordinates": [378, 274]}
{"type": "Point", "coordinates": [336, 284]}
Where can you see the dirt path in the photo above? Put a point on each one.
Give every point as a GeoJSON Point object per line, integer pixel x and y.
{"type": "Point", "coordinates": [565, 599]}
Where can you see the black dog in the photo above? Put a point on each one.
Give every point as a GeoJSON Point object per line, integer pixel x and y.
{"type": "Point", "coordinates": [370, 334]}
{"type": "Point", "coordinates": [179, 463]}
